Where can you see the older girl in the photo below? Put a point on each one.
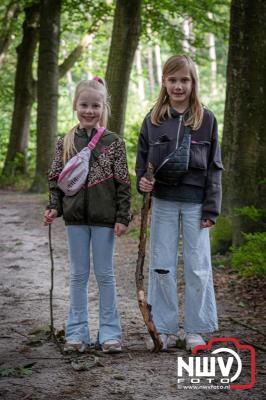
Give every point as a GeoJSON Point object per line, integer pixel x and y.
{"type": "Point", "coordinates": [187, 204]}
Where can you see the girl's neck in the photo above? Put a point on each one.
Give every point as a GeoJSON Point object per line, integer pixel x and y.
{"type": "Point", "coordinates": [181, 108]}
{"type": "Point", "coordinates": [88, 130]}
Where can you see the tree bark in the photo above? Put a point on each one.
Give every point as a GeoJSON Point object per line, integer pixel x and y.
{"type": "Point", "coordinates": [47, 90]}
{"type": "Point", "coordinates": [158, 59]}
{"type": "Point", "coordinates": [150, 71]}
{"type": "Point", "coordinates": [212, 56]}
{"type": "Point", "coordinates": [75, 54]}
{"type": "Point", "coordinates": [145, 308]}
{"type": "Point", "coordinates": [141, 87]}
{"type": "Point", "coordinates": [125, 37]}
{"type": "Point", "coordinates": [243, 144]}
{"type": "Point", "coordinates": [189, 36]}
{"type": "Point", "coordinates": [7, 25]}
{"type": "Point", "coordinates": [16, 159]}
{"type": "Point", "coordinates": [185, 43]}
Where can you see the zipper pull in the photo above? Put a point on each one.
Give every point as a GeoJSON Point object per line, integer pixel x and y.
{"type": "Point", "coordinates": [178, 130]}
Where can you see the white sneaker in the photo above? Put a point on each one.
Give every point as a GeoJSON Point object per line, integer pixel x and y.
{"type": "Point", "coordinates": [193, 340]}
{"type": "Point", "coordinates": [172, 341]}
{"type": "Point", "coordinates": [112, 346]}
{"type": "Point", "coordinates": [164, 338]}
{"type": "Point", "coordinates": [73, 345]}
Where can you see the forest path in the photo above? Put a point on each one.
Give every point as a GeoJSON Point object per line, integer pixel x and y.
{"type": "Point", "coordinates": [135, 374]}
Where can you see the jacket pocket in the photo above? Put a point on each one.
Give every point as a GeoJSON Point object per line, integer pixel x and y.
{"type": "Point", "coordinates": [73, 207]}
{"type": "Point", "coordinates": [101, 206]}
{"type": "Point", "coordinates": [218, 164]}
{"type": "Point", "coordinates": [199, 154]}
{"type": "Point", "coordinates": [159, 152]}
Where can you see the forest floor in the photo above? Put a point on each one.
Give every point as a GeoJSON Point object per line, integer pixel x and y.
{"type": "Point", "coordinates": [31, 366]}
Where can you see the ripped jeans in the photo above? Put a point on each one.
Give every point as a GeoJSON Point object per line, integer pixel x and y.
{"type": "Point", "coordinates": [102, 240]}
{"type": "Point", "coordinates": [168, 217]}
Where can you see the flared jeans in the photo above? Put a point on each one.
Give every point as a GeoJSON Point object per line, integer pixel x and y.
{"type": "Point", "coordinates": [101, 239]}
{"type": "Point", "coordinates": [169, 219]}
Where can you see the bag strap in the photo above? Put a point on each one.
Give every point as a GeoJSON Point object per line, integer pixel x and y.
{"type": "Point", "coordinates": [96, 138]}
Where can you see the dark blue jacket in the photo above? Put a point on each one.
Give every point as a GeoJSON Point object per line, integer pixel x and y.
{"type": "Point", "coordinates": [205, 165]}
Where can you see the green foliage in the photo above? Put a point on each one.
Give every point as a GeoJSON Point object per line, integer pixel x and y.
{"type": "Point", "coordinates": [221, 235]}
{"type": "Point", "coordinates": [18, 182]}
{"type": "Point", "coordinates": [165, 17]}
{"type": "Point", "coordinates": [78, 15]}
{"type": "Point", "coordinates": [162, 24]}
{"type": "Point", "coordinates": [17, 372]}
{"type": "Point", "coordinates": [250, 258]}
{"type": "Point", "coordinates": [253, 213]}
{"type": "Point", "coordinates": [136, 199]}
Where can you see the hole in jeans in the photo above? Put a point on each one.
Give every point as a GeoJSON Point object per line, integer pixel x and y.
{"type": "Point", "coordinates": [162, 271]}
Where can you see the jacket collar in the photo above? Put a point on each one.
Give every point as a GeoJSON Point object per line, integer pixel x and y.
{"type": "Point", "coordinates": [82, 132]}
{"type": "Point", "coordinates": [176, 114]}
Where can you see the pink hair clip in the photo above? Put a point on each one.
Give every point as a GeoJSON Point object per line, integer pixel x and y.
{"type": "Point", "coordinates": [98, 79]}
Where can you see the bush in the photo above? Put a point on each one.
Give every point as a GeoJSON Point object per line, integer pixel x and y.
{"type": "Point", "coordinates": [253, 213]}
{"type": "Point", "coordinates": [221, 235]}
{"type": "Point", "coordinates": [250, 258]}
{"type": "Point", "coordinates": [136, 199]}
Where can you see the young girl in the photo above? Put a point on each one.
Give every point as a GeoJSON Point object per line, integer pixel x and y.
{"type": "Point", "coordinates": [187, 205]}
{"type": "Point", "coordinates": [93, 216]}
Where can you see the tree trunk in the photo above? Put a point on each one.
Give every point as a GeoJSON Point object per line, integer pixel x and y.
{"type": "Point", "coordinates": [125, 37]}
{"type": "Point", "coordinates": [16, 159]}
{"type": "Point", "coordinates": [47, 90]}
{"type": "Point", "coordinates": [150, 71]}
{"type": "Point", "coordinates": [189, 36]}
{"type": "Point", "coordinates": [212, 56]}
{"type": "Point", "coordinates": [7, 25]}
{"type": "Point", "coordinates": [141, 88]}
{"type": "Point", "coordinates": [158, 64]}
{"type": "Point", "coordinates": [244, 145]}
{"type": "Point", "coordinates": [70, 60]}
{"type": "Point", "coordinates": [185, 43]}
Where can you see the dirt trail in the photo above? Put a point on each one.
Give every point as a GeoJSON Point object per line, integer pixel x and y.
{"type": "Point", "coordinates": [136, 374]}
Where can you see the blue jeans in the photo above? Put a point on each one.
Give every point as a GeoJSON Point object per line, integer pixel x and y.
{"type": "Point", "coordinates": [168, 217]}
{"type": "Point", "coordinates": [102, 240]}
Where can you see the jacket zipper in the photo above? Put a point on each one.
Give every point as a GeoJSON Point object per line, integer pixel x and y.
{"type": "Point", "coordinates": [178, 131]}
{"type": "Point", "coordinates": [85, 197]}
{"type": "Point", "coordinates": [177, 140]}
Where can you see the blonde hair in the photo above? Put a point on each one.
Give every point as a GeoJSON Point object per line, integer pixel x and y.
{"type": "Point", "coordinates": [162, 107]}
{"type": "Point", "coordinates": [97, 84]}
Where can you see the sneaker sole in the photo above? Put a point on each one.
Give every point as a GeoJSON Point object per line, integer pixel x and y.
{"type": "Point", "coordinates": [190, 348]}
{"type": "Point", "coordinates": [71, 349]}
{"type": "Point", "coordinates": [112, 350]}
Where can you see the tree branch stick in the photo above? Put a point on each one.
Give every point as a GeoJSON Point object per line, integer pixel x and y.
{"type": "Point", "coordinates": [145, 308]}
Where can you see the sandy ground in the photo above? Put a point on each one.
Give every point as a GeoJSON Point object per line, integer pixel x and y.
{"type": "Point", "coordinates": [136, 373]}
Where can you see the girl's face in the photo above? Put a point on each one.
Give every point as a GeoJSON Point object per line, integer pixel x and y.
{"type": "Point", "coordinates": [179, 87]}
{"type": "Point", "coordinates": [89, 107]}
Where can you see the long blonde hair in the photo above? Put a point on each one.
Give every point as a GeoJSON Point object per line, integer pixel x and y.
{"type": "Point", "coordinates": [95, 83]}
{"type": "Point", "coordinates": [162, 107]}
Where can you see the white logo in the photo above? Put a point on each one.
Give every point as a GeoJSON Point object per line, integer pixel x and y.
{"type": "Point", "coordinates": [207, 367]}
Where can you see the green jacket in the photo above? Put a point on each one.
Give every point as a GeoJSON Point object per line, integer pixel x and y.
{"type": "Point", "coordinates": [105, 198]}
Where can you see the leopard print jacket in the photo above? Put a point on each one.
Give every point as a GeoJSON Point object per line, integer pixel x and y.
{"type": "Point", "coordinates": [108, 182]}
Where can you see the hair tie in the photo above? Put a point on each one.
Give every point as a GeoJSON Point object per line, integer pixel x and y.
{"type": "Point", "coordinates": [98, 79]}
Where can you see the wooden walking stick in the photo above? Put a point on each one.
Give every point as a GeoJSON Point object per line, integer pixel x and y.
{"type": "Point", "coordinates": [52, 329]}
{"type": "Point", "coordinates": [52, 281]}
{"type": "Point", "coordinates": [145, 308]}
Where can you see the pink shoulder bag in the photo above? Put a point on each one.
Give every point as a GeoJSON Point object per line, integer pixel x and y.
{"type": "Point", "coordinates": [75, 172]}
